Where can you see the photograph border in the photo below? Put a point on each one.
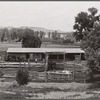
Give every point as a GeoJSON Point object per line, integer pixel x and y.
{"type": "Point", "coordinates": [51, 1]}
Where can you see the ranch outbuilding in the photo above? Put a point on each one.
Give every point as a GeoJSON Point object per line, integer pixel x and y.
{"type": "Point", "coordinates": [39, 54]}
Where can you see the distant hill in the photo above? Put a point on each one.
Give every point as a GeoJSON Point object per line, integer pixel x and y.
{"type": "Point", "coordinates": [44, 29]}
{"type": "Point", "coordinates": [37, 29]}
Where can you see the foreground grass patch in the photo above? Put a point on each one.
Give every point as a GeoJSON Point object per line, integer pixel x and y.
{"type": "Point", "coordinates": [11, 96]}
{"type": "Point", "coordinates": [47, 91]}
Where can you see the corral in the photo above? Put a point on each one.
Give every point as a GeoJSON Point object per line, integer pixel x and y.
{"type": "Point", "coordinates": [37, 59]}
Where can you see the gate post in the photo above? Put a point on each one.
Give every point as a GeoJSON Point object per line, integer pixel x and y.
{"type": "Point", "coordinates": [64, 59]}
{"type": "Point", "coordinates": [29, 63]}
{"type": "Point", "coordinates": [46, 66]}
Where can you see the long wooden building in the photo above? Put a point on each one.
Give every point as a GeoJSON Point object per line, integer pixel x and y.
{"type": "Point", "coordinates": [55, 54]}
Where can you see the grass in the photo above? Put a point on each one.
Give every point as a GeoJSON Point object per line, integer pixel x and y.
{"type": "Point", "coordinates": [11, 96]}
{"type": "Point", "coordinates": [5, 45]}
{"type": "Point", "coordinates": [94, 86]}
{"type": "Point", "coordinates": [48, 91]}
{"type": "Point", "coordinates": [43, 90]}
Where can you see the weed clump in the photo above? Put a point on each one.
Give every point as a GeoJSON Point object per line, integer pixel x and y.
{"type": "Point", "coordinates": [22, 76]}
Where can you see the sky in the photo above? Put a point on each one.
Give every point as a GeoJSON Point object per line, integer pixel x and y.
{"type": "Point", "coordinates": [53, 15]}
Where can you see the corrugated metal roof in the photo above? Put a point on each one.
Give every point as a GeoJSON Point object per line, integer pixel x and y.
{"type": "Point", "coordinates": [43, 50]}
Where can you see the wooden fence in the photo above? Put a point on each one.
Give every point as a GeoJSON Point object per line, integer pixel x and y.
{"type": "Point", "coordinates": [37, 71]}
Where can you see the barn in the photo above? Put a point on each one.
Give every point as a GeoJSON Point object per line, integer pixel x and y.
{"type": "Point", "coordinates": [55, 54]}
{"type": "Point", "coordinates": [39, 59]}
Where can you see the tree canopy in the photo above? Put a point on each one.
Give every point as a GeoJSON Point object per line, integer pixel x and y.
{"type": "Point", "coordinates": [87, 30]}
{"type": "Point", "coordinates": [84, 22]}
{"type": "Point", "coordinates": [30, 41]}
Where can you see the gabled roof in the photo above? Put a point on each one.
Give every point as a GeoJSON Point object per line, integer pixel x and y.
{"type": "Point", "coordinates": [44, 50]}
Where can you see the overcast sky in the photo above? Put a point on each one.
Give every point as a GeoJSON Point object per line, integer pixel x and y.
{"type": "Point", "coordinates": [51, 15]}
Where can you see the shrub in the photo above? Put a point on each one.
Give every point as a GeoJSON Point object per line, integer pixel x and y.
{"type": "Point", "coordinates": [51, 65]}
{"type": "Point", "coordinates": [57, 41]}
{"type": "Point", "coordinates": [30, 41]}
{"type": "Point", "coordinates": [68, 41]}
{"type": "Point", "coordinates": [22, 76]}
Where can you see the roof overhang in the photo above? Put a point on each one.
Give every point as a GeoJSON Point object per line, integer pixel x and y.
{"type": "Point", "coordinates": [45, 50]}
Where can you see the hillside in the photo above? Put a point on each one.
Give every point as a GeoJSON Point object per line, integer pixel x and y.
{"type": "Point", "coordinates": [45, 30]}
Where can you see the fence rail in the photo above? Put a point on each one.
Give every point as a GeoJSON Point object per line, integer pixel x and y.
{"type": "Point", "coordinates": [37, 71]}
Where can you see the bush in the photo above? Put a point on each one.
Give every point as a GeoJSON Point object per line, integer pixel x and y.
{"type": "Point", "coordinates": [51, 65]}
{"type": "Point", "coordinates": [22, 76]}
{"type": "Point", "coordinates": [68, 41]}
{"type": "Point", "coordinates": [57, 41]}
{"type": "Point", "coordinates": [30, 41]}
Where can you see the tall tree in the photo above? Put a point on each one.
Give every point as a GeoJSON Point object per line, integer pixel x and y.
{"type": "Point", "coordinates": [93, 11]}
{"type": "Point", "coordinates": [13, 33]}
{"type": "Point", "coordinates": [5, 35]}
{"type": "Point", "coordinates": [30, 41]}
{"type": "Point", "coordinates": [42, 34]}
{"type": "Point", "coordinates": [36, 33]}
{"type": "Point", "coordinates": [55, 35]}
{"type": "Point", "coordinates": [87, 28]}
{"type": "Point", "coordinates": [84, 22]}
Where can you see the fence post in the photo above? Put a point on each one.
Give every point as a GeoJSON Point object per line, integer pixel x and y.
{"type": "Point", "coordinates": [84, 77]}
{"type": "Point", "coordinates": [24, 64]}
{"type": "Point", "coordinates": [64, 60]}
{"type": "Point", "coordinates": [84, 72]}
{"type": "Point", "coordinates": [19, 64]}
{"type": "Point", "coordinates": [74, 71]}
{"type": "Point", "coordinates": [29, 63]}
{"type": "Point", "coordinates": [46, 66]}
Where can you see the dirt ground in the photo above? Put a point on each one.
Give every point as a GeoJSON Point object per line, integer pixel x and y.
{"type": "Point", "coordinates": [41, 90]}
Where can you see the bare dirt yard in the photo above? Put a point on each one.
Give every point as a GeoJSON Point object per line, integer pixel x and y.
{"type": "Point", "coordinates": [51, 90]}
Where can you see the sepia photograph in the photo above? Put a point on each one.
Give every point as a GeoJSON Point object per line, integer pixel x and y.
{"type": "Point", "coordinates": [49, 50]}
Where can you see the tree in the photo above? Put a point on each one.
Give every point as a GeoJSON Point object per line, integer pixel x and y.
{"type": "Point", "coordinates": [2, 37]}
{"type": "Point", "coordinates": [93, 11]}
{"type": "Point", "coordinates": [55, 35]}
{"type": "Point", "coordinates": [84, 22]}
{"type": "Point", "coordinates": [91, 45]}
{"type": "Point", "coordinates": [20, 33]}
{"type": "Point", "coordinates": [30, 41]}
{"type": "Point", "coordinates": [36, 33]}
{"type": "Point", "coordinates": [49, 35]}
{"type": "Point", "coordinates": [22, 76]}
{"type": "Point", "coordinates": [87, 28]}
{"type": "Point", "coordinates": [42, 34]}
{"type": "Point", "coordinates": [13, 33]}
{"type": "Point", "coordinates": [68, 41]}
{"type": "Point", "coordinates": [5, 35]}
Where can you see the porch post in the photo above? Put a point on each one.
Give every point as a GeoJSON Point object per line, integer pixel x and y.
{"type": "Point", "coordinates": [80, 57]}
{"type": "Point", "coordinates": [5, 56]}
{"type": "Point", "coordinates": [29, 63]}
{"type": "Point", "coordinates": [19, 64]}
{"type": "Point", "coordinates": [74, 70]}
{"type": "Point", "coordinates": [64, 60]}
{"type": "Point", "coordinates": [46, 66]}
